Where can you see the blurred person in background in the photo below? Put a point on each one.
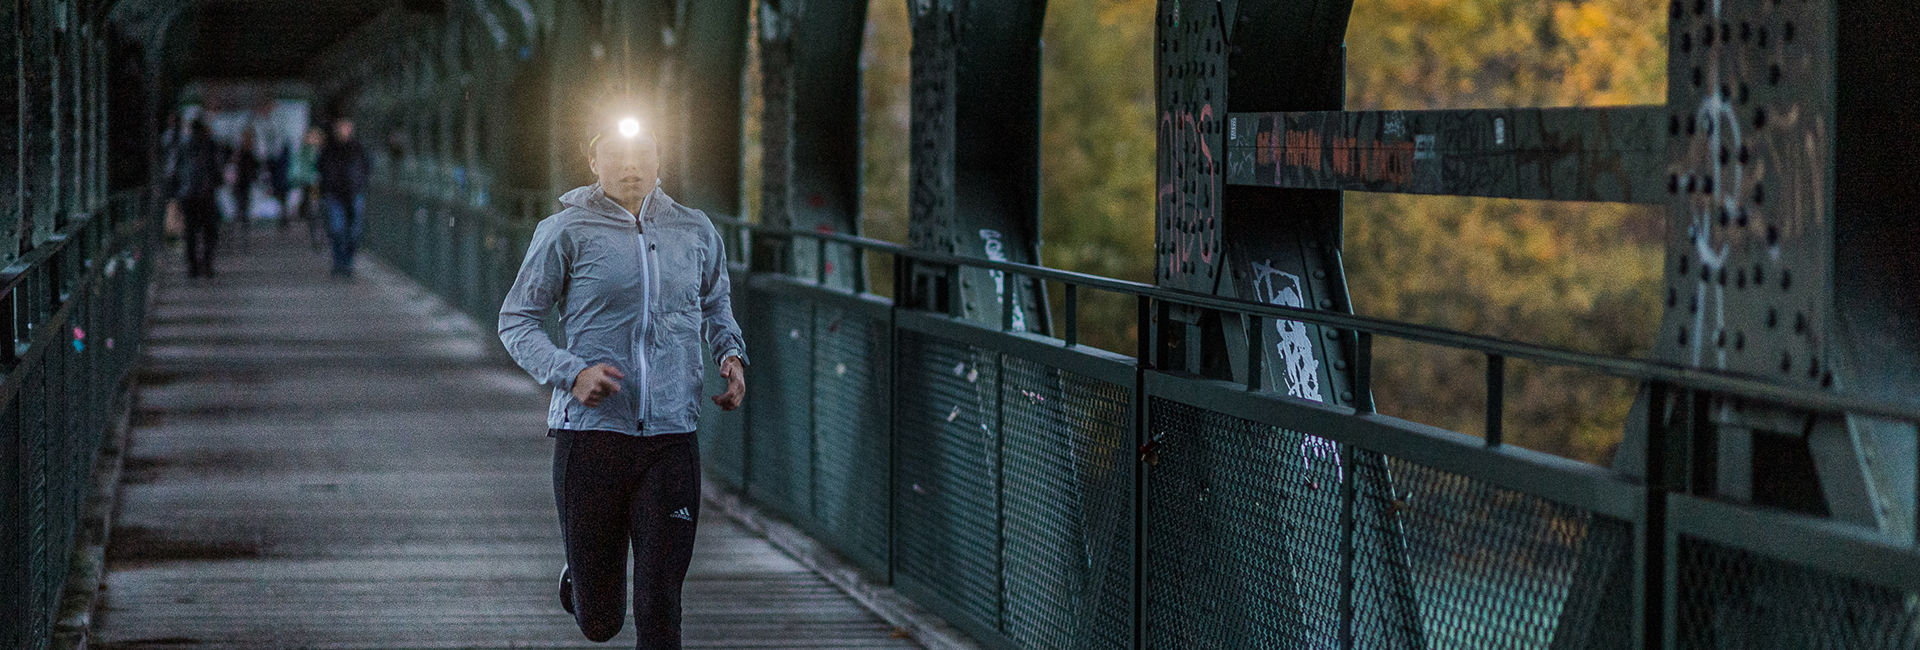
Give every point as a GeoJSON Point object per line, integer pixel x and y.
{"type": "Point", "coordinates": [196, 177]}
{"type": "Point", "coordinates": [303, 180]}
{"type": "Point", "coordinates": [246, 167]}
{"type": "Point", "coordinates": [344, 169]}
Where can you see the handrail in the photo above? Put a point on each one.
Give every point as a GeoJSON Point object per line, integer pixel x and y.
{"type": "Point", "coordinates": [1713, 381]}
{"type": "Point", "coordinates": [1643, 370]}
{"type": "Point", "coordinates": [13, 274]}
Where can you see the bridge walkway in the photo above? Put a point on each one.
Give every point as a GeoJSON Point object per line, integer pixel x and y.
{"type": "Point", "coordinates": [329, 464]}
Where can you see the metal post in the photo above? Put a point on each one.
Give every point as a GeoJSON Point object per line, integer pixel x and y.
{"type": "Point", "coordinates": [1073, 315]}
{"type": "Point", "coordinates": [820, 260]}
{"type": "Point", "coordinates": [1006, 302]}
{"type": "Point", "coordinates": [1496, 398]}
{"type": "Point", "coordinates": [1654, 580]}
{"type": "Point", "coordinates": [1256, 349]}
{"type": "Point", "coordinates": [1143, 332]}
{"type": "Point", "coordinates": [1143, 344]}
{"type": "Point", "coordinates": [1363, 373]}
{"type": "Point", "coordinates": [1347, 525]}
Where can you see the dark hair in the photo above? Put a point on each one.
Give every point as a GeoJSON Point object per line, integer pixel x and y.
{"type": "Point", "coordinates": [200, 127]}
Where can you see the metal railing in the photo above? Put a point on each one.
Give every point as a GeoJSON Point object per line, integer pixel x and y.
{"type": "Point", "coordinates": [76, 307]}
{"type": "Point", "coordinates": [1039, 493]}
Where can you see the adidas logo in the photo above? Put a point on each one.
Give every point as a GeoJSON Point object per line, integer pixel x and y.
{"type": "Point", "coordinates": [682, 514]}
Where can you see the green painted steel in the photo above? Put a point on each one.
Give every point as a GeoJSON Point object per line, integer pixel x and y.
{"type": "Point", "coordinates": [1042, 494]}
{"type": "Point", "coordinates": [994, 477]}
{"type": "Point", "coordinates": [1563, 154]}
{"type": "Point", "coordinates": [78, 305]}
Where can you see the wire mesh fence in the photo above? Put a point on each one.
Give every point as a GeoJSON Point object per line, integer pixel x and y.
{"type": "Point", "coordinates": [76, 309]}
{"type": "Point", "coordinates": [1734, 598]}
{"type": "Point", "coordinates": [1041, 495]}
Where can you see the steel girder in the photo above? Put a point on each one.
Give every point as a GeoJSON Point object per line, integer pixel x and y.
{"type": "Point", "coordinates": [810, 134]}
{"type": "Point", "coordinates": [975, 161]}
{"type": "Point", "coordinates": [1786, 259]}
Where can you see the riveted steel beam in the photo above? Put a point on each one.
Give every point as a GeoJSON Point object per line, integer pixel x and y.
{"type": "Point", "coordinates": [707, 53]}
{"type": "Point", "coordinates": [810, 180]}
{"type": "Point", "coordinates": [1566, 154]}
{"type": "Point", "coordinates": [976, 153]}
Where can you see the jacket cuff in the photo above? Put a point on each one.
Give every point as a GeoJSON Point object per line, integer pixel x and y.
{"type": "Point", "coordinates": [569, 368]}
{"type": "Point", "coordinates": [721, 358]}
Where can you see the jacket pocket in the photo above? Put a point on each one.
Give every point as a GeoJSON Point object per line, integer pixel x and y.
{"type": "Point", "coordinates": [674, 367]}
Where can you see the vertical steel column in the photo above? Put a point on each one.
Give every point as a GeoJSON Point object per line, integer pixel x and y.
{"type": "Point", "coordinates": [1278, 246]}
{"type": "Point", "coordinates": [975, 162]}
{"type": "Point", "coordinates": [36, 134]}
{"type": "Point", "coordinates": [1783, 250]}
{"type": "Point", "coordinates": [710, 52]}
{"type": "Point", "coordinates": [1283, 245]}
{"type": "Point", "coordinates": [13, 220]}
{"type": "Point", "coordinates": [810, 71]}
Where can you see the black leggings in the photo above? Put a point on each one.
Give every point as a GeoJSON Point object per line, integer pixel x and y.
{"type": "Point", "coordinates": [612, 488]}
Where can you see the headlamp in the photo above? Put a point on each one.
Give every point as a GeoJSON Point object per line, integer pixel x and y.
{"type": "Point", "coordinates": [629, 127]}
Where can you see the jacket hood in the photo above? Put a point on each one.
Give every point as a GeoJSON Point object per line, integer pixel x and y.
{"type": "Point", "coordinates": [593, 198]}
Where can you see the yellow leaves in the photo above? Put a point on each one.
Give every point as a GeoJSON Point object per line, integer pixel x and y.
{"type": "Point", "coordinates": [1418, 54]}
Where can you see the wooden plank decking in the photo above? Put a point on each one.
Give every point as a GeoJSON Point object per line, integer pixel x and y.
{"type": "Point", "coordinates": [324, 464]}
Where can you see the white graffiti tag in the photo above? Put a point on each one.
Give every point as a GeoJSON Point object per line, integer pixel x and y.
{"type": "Point", "coordinates": [1276, 287]}
{"type": "Point", "coordinates": [997, 252]}
{"type": "Point", "coordinates": [1296, 345]}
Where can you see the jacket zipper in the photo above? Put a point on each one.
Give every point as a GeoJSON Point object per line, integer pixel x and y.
{"type": "Point", "coordinates": [646, 309]}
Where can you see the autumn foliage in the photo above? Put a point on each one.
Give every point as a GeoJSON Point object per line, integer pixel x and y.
{"type": "Point", "coordinates": [1581, 276]}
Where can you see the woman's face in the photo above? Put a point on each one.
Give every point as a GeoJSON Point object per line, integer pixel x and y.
{"type": "Point", "coordinates": [315, 137]}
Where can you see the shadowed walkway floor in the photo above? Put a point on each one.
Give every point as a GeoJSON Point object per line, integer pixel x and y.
{"type": "Point", "coordinates": [325, 464]}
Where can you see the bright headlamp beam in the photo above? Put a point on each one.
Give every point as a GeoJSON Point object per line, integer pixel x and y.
{"type": "Point", "coordinates": [629, 127]}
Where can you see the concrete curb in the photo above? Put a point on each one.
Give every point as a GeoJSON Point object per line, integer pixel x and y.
{"type": "Point", "coordinates": [922, 626]}
{"type": "Point", "coordinates": [86, 572]}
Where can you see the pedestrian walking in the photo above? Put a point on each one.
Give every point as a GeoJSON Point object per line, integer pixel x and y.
{"type": "Point", "coordinates": [640, 282]}
{"type": "Point", "coordinates": [279, 176]}
{"type": "Point", "coordinates": [344, 170]}
{"type": "Point", "coordinates": [303, 180]}
{"type": "Point", "coordinates": [196, 178]}
{"type": "Point", "coordinates": [246, 167]}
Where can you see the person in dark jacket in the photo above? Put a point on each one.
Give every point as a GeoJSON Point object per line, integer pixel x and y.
{"type": "Point", "coordinates": [344, 169]}
{"type": "Point", "coordinates": [246, 167]}
{"type": "Point", "coordinates": [196, 176]}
